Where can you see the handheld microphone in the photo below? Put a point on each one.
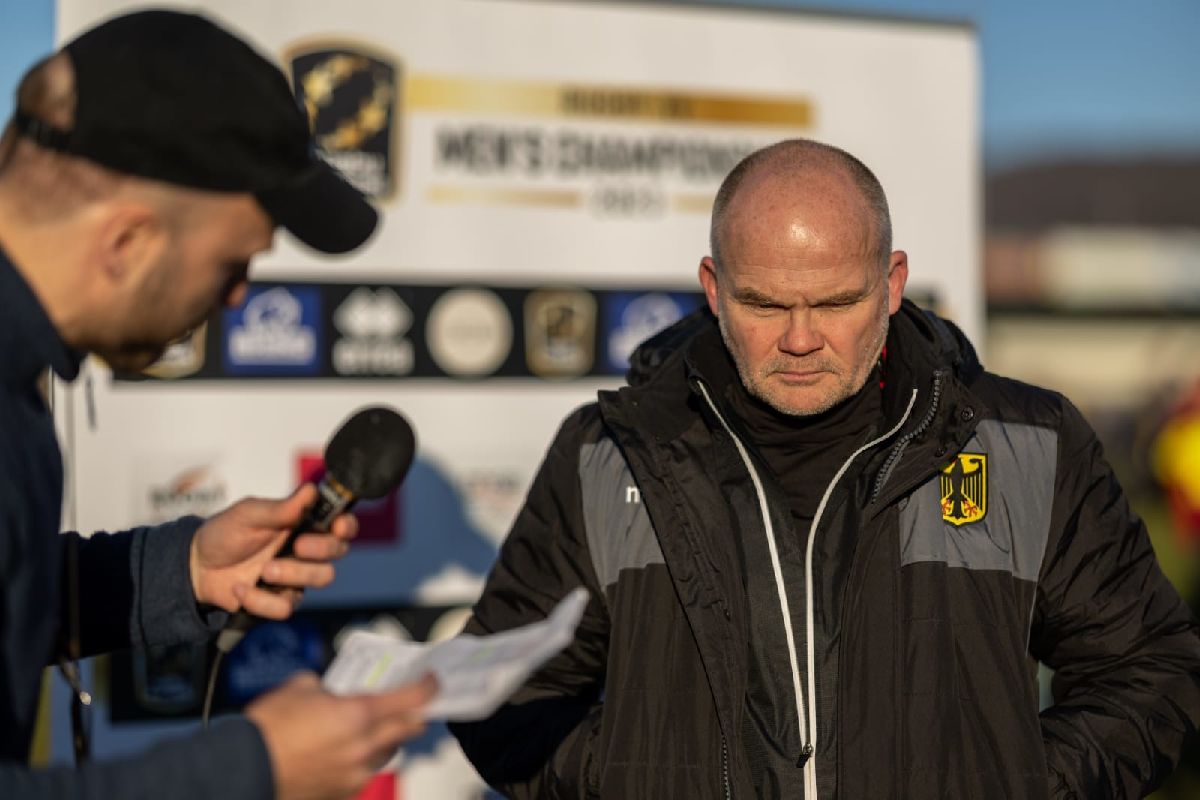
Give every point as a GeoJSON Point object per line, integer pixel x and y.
{"type": "Point", "coordinates": [367, 458]}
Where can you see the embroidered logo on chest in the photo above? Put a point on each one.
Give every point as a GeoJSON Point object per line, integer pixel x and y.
{"type": "Point", "coordinates": [964, 489]}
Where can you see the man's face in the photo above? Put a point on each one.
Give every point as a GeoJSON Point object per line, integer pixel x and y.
{"type": "Point", "coordinates": [203, 265]}
{"type": "Point", "coordinates": [803, 303]}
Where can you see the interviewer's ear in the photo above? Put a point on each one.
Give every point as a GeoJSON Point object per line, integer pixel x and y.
{"type": "Point", "coordinates": [132, 238]}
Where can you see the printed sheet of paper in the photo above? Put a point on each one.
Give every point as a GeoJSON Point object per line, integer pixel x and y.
{"type": "Point", "coordinates": [475, 674]}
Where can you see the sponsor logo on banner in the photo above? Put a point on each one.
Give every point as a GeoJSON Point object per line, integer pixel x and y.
{"type": "Point", "coordinates": [373, 324]}
{"type": "Point", "coordinates": [269, 654]}
{"type": "Point", "coordinates": [632, 318]}
{"type": "Point", "coordinates": [350, 94]}
{"type": "Point", "coordinates": [469, 332]}
{"type": "Point", "coordinates": [378, 519]}
{"type": "Point", "coordinates": [560, 332]}
{"type": "Point", "coordinates": [182, 358]}
{"type": "Point", "coordinates": [196, 490]}
{"type": "Point", "coordinates": [964, 489]}
{"type": "Point", "coordinates": [492, 498]}
{"type": "Point", "coordinates": [276, 332]}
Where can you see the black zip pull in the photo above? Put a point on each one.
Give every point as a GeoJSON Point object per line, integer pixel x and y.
{"type": "Point", "coordinates": [805, 754]}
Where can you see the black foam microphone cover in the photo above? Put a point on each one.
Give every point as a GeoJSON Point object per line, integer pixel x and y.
{"type": "Point", "coordinates": [371, 452]}
{"type": "Point", "coordinates": [367, 457]}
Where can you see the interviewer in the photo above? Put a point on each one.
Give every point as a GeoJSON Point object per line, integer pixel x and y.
{"type": "Point", "coordinates": [147, 163]}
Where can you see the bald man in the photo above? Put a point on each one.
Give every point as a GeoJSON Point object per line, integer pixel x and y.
{"type": "Point", "coordinates": [145, 166]}
{"type": "Point", "coordinates": [826, 549]}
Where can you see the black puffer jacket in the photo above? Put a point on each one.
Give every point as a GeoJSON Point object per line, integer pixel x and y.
{"type": "Point", "coordinates": [978, 532]}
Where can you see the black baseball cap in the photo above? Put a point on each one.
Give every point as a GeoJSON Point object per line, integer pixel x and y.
{"type": "Point", "coordinates": [174, 97]}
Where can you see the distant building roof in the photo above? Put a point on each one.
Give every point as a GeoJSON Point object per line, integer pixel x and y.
{"type": "Point", "coordinates": [1152, 192]}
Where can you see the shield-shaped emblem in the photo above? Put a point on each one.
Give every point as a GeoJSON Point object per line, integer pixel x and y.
{"type": "Point", "coordinates": [350, 95]}
{"type": "Point", "coordinates": [560, 332]}
{"type": "Point", "coordinates": [964, 489]}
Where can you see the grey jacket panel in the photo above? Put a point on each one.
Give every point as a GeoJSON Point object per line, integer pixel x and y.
{"type": "Point", "coordinates": [619, 533]}
{"type": "Point", "coordinates": [1012, 468]}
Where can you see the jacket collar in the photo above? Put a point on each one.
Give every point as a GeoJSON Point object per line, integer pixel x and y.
{"type": "Point", "coordinates": [926, 355]}
{"type": "Point", "coordinates": [28, 340]}
{"type": "Point", "coordinates": [919, 343]}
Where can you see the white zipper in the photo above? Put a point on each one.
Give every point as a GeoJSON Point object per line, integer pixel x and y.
{"type": "Point", "coordinates": [808, 722]}
{"type": "Point", "coordinates": [780, 588]}
{"type": "Point", "coordinates": [810, 766]}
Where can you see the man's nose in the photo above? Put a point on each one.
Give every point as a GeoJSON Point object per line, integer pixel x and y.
{"type": "Point", "coordinates": [801, 337]}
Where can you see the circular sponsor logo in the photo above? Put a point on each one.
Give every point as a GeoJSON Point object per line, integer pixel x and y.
{"type": "Point", "coordinates": [469, 332]}
{"type": "Point", "coordinates": [641, 319]}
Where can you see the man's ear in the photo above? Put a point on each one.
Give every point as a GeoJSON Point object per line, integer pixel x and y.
{"type": "Point", "coordinates": [132, 239]}
{"type": "Point", "coordinates": [897, 277]}
{"type": "Point", "coordinates": [708, 279]}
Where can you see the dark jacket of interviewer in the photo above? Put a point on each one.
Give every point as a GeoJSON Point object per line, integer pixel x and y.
{"type": "Point", "coordinates": [978, 532]}
{"type": "Point", "coordinates": [134, 591]}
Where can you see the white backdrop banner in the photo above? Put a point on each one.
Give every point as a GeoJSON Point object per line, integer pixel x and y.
{"type": "Point", "coordinates": [545, 172]}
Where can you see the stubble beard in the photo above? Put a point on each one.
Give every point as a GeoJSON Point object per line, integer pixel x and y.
{"type": "Point", "coordinates": [131, 357]}
{"type": "Point", "coordinates": [757, 381]}
{"type": "Point", "coordinates": [150, 328]}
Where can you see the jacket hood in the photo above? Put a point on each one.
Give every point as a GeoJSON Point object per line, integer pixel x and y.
{"type": "Point", "coordinates": [653, 352]}
{"type": "Point", "coordinates": [923, 339]}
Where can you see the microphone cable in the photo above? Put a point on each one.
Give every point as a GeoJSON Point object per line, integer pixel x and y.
{"type": "Point", "coordinates": [366, 458]}
{"type": "Point", "coordinates": [213, 669]}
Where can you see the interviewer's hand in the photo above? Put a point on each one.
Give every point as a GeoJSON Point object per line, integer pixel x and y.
{"type": "Point", "coordinates": [236, 547]}
{"type": "Point", "coordinates": [326, 746]}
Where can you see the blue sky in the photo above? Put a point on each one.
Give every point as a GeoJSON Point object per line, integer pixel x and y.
{"type": "Point", "coordinates": [1059, 76]}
